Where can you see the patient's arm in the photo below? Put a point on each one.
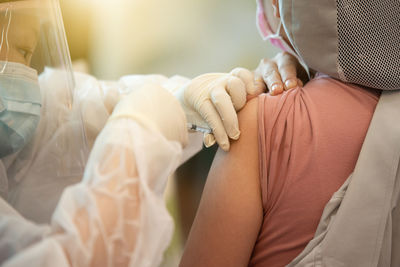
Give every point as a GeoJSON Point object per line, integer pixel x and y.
{"type": "Point", "coordinates": [230, 213]}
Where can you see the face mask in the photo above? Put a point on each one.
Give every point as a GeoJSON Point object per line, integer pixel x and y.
{"type": "Point", "coordinates": [275, 38]}
{"type": "Point", "coordinates": [266, 31]}
{"type": "Point", "coordinates": [20, 104]}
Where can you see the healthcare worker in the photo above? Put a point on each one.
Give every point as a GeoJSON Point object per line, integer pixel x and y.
{"type": "Point", "coordinates": [61, 207]}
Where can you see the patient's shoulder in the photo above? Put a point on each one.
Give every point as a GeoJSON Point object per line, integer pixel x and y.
{"type": "Point", "coordinates": [321, 98]}
{"type": "Point", "coordinates": [248, 115]}
{"type": "Point", "coordinates": [248, 127]}
{"type": "Point", "coordinates": [244, 151]}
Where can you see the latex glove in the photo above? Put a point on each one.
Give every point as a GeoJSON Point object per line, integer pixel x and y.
{"type": "Point", "coordinates": [211, 101]}
{"type": "Point", "coordinates": [156, 109]}
{"type": "Point", "coordinates": [254, 83]}
{"type": "Point", "coordinates": [281, 73]}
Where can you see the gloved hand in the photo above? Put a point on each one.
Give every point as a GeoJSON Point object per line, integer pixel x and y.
{"type": "Point", "coordinates": [211, 101]}
{"type": "Point", "coordinates": [281, 73]}
{"type": "Point", "coordinates": [156, 109]}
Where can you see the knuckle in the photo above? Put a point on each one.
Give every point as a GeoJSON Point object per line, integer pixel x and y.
{"type": "Point", "coordinates": [266, 63]}
{"type": "Point", "coordinates": [279, 56]}
{"type": "Point", "coordinates": [270, 65]}
{"type": "Point", "coordinates": [286, 55]}
{"type": "Point", "coordinates": [288, 59]}
{"type": "Point", "coordinates": [271, 74]}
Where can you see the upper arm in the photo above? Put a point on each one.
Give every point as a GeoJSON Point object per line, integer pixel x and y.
{"type": "Point", "coordinates": [230, 213]}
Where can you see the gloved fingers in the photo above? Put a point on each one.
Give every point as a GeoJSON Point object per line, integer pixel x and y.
{"type": "Point", "coordinates": [270, 73]}
{"type": "Point", "coordinates": [287, 66]}
{"type": "Point", "coordinates": [209, 113]}
{"type": "Point", "coordinates": [253, 88]}
{"type": "Point", "coordinates": [223, 104]}
{"type": "Point", "coordinates": [208, 140]}
{"type": "Point", "coordinates": [236, 89]}
{"type": "Point", "coordinates": [259, 85]}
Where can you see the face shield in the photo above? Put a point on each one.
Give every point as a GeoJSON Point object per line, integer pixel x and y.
{"type": "Point", "coordinates": [42, 140]}
{"type": "Point", "coordinates": [354, 41]}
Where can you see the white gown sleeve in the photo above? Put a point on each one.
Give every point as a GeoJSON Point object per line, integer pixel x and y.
{"type": "Point", "coordinates": [115, 217]}
{"type": "Point", "coordinates": [98, 99]}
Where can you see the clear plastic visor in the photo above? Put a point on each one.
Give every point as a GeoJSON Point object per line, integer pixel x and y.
{"type": "Point", "coordinates": [33, 45]}
{"type": "Point", "coordinates": [32, 34]}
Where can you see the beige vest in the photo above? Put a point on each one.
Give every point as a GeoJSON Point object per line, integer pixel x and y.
{"type": "Point", "coordinates": [360, 225]}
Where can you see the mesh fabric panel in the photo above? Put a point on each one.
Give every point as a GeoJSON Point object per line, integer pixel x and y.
{"type": "Point", "coordinates": [369, 42]}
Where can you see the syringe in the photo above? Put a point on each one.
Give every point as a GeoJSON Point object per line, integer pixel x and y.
{"type": "Point", "coordinates": [193, 127]}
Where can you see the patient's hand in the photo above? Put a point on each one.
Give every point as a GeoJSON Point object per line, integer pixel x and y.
{"type": "Point", "coordinates": [281, 73]}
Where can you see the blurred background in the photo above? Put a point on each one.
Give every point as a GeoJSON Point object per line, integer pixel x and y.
{"type": "Point", "coordinates": [112, 38]}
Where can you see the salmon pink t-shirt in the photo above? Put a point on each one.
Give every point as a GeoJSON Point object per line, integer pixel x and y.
{"type": "Point", "coordinates": [309, 142]}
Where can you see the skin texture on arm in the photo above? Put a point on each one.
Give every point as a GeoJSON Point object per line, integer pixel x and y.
{"type": "Point", "coordinates": [230, 213]}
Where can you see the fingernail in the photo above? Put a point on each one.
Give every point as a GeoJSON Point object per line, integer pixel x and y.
{"type": "Point", "coordinates": [276, 87]}
{"type": "Point", "coordinates": [291, 83]}
{"type": "Point", "coordinates": [225, 146]}
{"type": "Point", "coordinates": [209, 140]}
{"type": "Point", "coordinates": [236, 135]}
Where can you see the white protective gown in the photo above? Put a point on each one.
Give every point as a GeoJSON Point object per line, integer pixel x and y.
{"type": "Point", "coordinates": [112, 216]}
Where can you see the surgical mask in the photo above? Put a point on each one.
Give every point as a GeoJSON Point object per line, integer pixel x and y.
{"type": "Point", "coordinates": [20, 104]}
{"type": "Point", "coordinates": [275, 38]}
{"type": "Point", "coordinates": [266, 31]}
